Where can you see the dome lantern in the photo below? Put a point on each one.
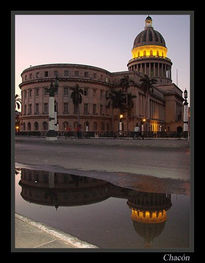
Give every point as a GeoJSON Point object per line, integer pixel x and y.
{"type": "Point", "coordinates": [148, 22]}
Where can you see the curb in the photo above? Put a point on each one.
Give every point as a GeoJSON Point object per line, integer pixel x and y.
{"type": "Point", "coordinates": [74, 241]}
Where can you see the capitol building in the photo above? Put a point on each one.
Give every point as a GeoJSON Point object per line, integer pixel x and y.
{"type": "Point", "coordinates": [159, 109]}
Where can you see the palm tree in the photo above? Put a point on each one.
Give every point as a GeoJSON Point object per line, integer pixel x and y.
{"type": "Point", "coordinates": [116, 98]}
{"type": "Point", "coordinates": [129, 106]}
{"type": "Point", "coordinates": [125, 83]}
{"type": "Point", "coordinates": [17, 102]}
{"type": "Point", "coordinates": [147, 84]}
{"type": "Point", "coordinates": [76, 97]}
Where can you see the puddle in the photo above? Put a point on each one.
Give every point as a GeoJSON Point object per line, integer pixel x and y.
{"type": "Point", "coordinates": [102, 213]}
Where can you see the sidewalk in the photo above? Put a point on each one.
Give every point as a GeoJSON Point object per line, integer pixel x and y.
{"type": "Point", "coordinates": [147, 142]}
{"type": "Point", "coordinates": [31, 234]}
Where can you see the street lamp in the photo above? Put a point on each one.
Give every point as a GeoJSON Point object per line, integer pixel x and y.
{"type": "Point", "coordinates": [52, 133]}
{"type": "Point", "coordinates": [120, 124]}
{"type": "Point", "coordinates": [185, 113]}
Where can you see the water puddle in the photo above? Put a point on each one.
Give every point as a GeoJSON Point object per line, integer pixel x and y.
{"type": "Point", "coordinates": [102, 213]}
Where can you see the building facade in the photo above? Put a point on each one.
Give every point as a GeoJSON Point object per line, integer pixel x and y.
{"type": "Point", "coordinates": [160, 110]}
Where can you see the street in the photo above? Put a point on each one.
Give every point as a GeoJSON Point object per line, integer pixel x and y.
{"type": "Point", "coordinates": [159, 162]}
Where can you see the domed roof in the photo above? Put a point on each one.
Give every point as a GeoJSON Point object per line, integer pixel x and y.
{"type": "Point", "coordinates": [149, 36]}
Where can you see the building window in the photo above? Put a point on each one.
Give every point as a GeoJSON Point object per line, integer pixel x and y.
{"type": "Point", "coordinates": [29, 109]}
{"type": "Point", "coordinates": [30, 92]}
{"type": "Point", "coordinates": [86, 108]}
{"type": "Point", "coordinates": [76, 73]}
{"type": "Point", "coordinates": [101, 109]}
{"type": "Point", "coordinates": [45, 73]}
{"type": "Point", "coordinates": [94, 108]}
{"type": "Point", "coordinates": [36, 91]}
{"type": "Point", "coordinates": [45, 91]}
{"type": "Point", "coordinates": [94, 75]}
{"type": "Point", "coordinates": [24, 109]}
{"type": "Point", "coordinates": [65, 91]}
{"type": "Point", "coordinates": [101, 93]}
{"type": "Point", "coordinates": [56, 73]}
{"type": "Point", "coordinates": [36, 126]}
{"type": "Point", "coordinates": [45, 108]}
{"type": "Point", "coordinates": [37, 74]}
{"type": "Point", "coordinates": [86, 74]}
{"type": "Point", "coordinates": [30, 75]}
{"type": "Point", "coordinates": [45, 126]}
{"type": "Point", "coordinates": [66, 73]}
{"type": "Point", "coordinates": [36, 108]}
{"type": "Point", "coordinates": [65, 108]}
{"type": "Point", "coordinates": [25, 77]}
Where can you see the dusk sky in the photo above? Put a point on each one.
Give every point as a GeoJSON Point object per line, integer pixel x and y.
{"type": "Point", "coordinates": [104, 41]}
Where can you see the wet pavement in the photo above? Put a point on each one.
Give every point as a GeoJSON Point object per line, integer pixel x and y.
{"type": "Point", "coordinates": [101, 213]}
{"type": "Point", "coordinates": [113, 194]}
{"type": "Point", "coordinates": [163, 162]}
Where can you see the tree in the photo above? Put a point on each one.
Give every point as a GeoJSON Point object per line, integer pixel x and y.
{"type": "Point", "coordinates": [130, 105]}
{"type": "Point", "coordinates": [116, 99]}
{"type": "Point", "coordinates": [76, 96]}
{"type": "Point", "coordinates": [147, 84]}
{"type": "Point", "coordinates": [17, 102]}
{"type": "Point", "coordinates": [125, 83]}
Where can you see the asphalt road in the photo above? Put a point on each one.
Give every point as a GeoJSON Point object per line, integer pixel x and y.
{"type": "Point", "coordinates": [159, 162]}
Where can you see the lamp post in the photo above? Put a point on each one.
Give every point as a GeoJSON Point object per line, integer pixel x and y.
{"type": "Point", "coordinates": [185, 128]}
{"type": "Point", "coordinates": [52, 133]}
{"type": "Point", "coordinates": [142, 127]}
{"type": "Point", "coordinates": [120, 124]}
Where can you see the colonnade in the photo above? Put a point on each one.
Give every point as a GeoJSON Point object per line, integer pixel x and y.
{"type": "Point", "coordinates": [153, 69]}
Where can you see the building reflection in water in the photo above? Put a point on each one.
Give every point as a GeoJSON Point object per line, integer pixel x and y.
{"type": "Point", "coordinates": [148, 210]}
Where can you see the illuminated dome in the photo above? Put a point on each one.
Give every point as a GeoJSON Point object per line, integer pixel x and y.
{"type": "Point", "coordinates": [149, 42]}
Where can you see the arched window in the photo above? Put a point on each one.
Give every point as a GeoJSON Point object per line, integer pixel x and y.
{"type": "Point", "coordinates": [36, 126]}
{"type": "Point", "coordinates": [144, 53]}
{"type": "Point", "coordinates": [24, 126]}
{"type": "Point", "coordinates": [29, 126]}
{"type": "Point", "coordinates": [151, 53]}
{"type": "Point", "coordinates": [157, 53]}
{"type": "Point", "coordinates": [45, 126]}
